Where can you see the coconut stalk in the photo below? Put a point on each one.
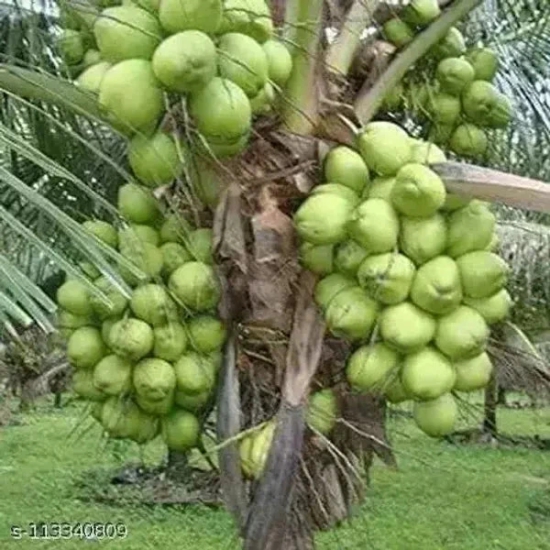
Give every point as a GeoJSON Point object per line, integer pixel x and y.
{"type": "Point", "coordinates": [342, 51]}
{"type": "Point", "coordinates": [300, 98]}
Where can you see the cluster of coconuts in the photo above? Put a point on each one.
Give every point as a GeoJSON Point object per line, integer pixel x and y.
{"type": "Point", "coordinates": [456, 95]}
{"type": "Point", "coordinates": [148, 363]}
{"type": "Point", "coordinates": [408, 272]}
{"type": "Point", "coordinates": [220, 57]}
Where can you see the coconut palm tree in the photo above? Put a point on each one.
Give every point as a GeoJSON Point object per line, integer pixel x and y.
{"type": "Point", "coordinates": [62, 163]}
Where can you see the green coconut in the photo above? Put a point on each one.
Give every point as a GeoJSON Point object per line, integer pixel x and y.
{"type": "Point", "coordinates": [221, 111]}
{"type": "Point", "coordinates": [421, 12]}
{"type": "Point", "coordinates": [126, 32]}
{"type": "Point", "coordinates": [501, 114]}
{"type": "Point", "coordinates": [186, 61]}
{"type": "Point", "coordinates": [398, 32]}
{"type": "Point", "coordinates": [175, 229]}
{"type": "Point", "coordinates": [470, 228]}
{"type": "Point", "coordinates": [485, 63]}
{"type": "Point", "coordinates": [138, 111]}
{"type": "Point", "coordinates": [427, 374]}
{"type": "Point", "coordinates": [68, 19]}
{"type": "Point", "coordinates": [468, 140]}
{"type": "Point", "coordinates": [473, 374]}
{"type": "Point", "coordinates": [370, 367]}
{"type": "Point", "coordinates": [262, 102]}
{"type": "Point", "coordinates": [436, 287]}
{"type": "Point", "coordinates": [479, 100]}
{"type": "Point", "coordinates": [199, 15]}
{"type": "Point", "coordinates": [482, 273]}
{"type": "Point", "coordinates": [89, 270]}
{"type": "Point", "coordinates": [170, 341]}
{"type": "Point", "coordinates": [199, 244]}
{"type": "Point", "coordinates": [156, 408]}
{"type": "Point", "coordinates": [330, 286]}
{"type": "Point", "coordinates": [454, 74]}
{"type": "Point", "coordinates": [152, 303]}
{"type": "Point", "coordinates": [418, 191]}
{"type": "Point", "coordinates": [243, 61]}
{"type": "Point", "coordinates": [85, 348]}
{"type": "Point", "coordinates": [279, 61]}
{"type": "Point", "coordinates": [112, 305]}
{"type": "Point", "coordinates": [206, 333]}
{"type": "Point", "coordinates": [394, 98]}
{"type": "Point", "coordinates": [103, 231]}
{"type": "Point", "coordinates": [154, 379]}
{"type": "Point", "coordinates": [137, 204]}
{"type": "Point", "coordinates": [385, 147]}
{"type": "Point", "coordinates": [443, 109]}
{"type": "Point", "coordinates": [196, 286]}
{"type": "Point", "coordinates": [387, 277]}
{"type": "Point", "coordinates": [74, 297]}
{"type": "Point", "coordinates": [69, 321]}
{"type": "Point", "coordinates": [345, 166]}
{"type": "Point", "coordinates": [261, 444]}
{"type": "Point", "coordinates": [493, 309]}
{"type": "Point", "coordinates": [90, 79]}
{"type": "Point", "coordinates": [106, 327]}
{"type": "Point", "coordinates": [380, 188]}
{"type": "Point", "coordinates": [462, 334]}
{"type": "Point", "coordinates": [394, 392]}
{"type": "Point", "coordinates": [440, 134]}
{"type": "Point", "coordinates": [322, 411]}
{"type": "Point", "coordinates": [83, 385]}
{"type": "Point", "coordinates": [91, 57]}
{"type": "Point", "coordinates": [191, 402]}
{"type": "Point", "coordinates": [348, 257]}
{"type": "Point", "coordinates": [322, 219]}
{"type": "Point", "coordinates": [351, 314]}
{"type": "Point", "coordinates": [221, 148]}
{"type": "Point", "coordinates": [422, 239]}
{"type": "Point", "coordinates": [494, 244]}
{"type": "Point", "coordinates": [436, 417]}
{"type": "Point", "coordinates": [147, 258]}
{"type": "Point", "coordinates": [174, 255]}
{"type": "Point", "coordinates": [131, 339]}
{"type": "Point", "coordinates": [123, 419]}
{"type": "Point", "coordinates": [375, 226]}
{"type": "Point", "coordinates": [424, 152]}
{"type": "Point", "coordinates": [250, 17]}
{"type": "Point", "coordinates": [452, 45]}
{"type": "Point", "coordinates": [154, 160]}
{"type": "Point", "coordinates": [141, 232]}
{"type": "Point", "coordinates": [337, 189]}
{"type": "Point", "coordinates": [113, 375]}
{"type": "Point", "coordinates": [195, 373]}
{"type": "Point", "coordinates": [406, 328]}
{"type": "Point", "coordinates": [454, 202]}
{"type": "Point", "coordinates": [317, 258]}
{"type": "Point", "coordinates": [71, 46]}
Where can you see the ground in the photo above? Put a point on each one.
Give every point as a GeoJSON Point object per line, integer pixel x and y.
{"type": "Point", "coordinates": [443, 497]}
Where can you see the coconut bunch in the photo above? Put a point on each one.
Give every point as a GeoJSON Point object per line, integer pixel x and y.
{"type": "Point", "coordinates": [456, 95]}
{"type": "Point", "coordinates": [220, 57]}
{"type": "Point", "coordinates": [149, 362]}
{"type": "Point", "coordinates": [408, 273]}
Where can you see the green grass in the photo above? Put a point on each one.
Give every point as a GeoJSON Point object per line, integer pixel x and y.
{"type": "Point", "coordinates": [443, 497]}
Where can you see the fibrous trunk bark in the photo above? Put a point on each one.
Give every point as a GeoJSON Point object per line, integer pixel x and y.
{"type": "Point", "coordinates": [491, 398]}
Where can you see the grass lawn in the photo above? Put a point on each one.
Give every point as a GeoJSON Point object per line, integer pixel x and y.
{"type": "Point", "coordinates": [443, 497]}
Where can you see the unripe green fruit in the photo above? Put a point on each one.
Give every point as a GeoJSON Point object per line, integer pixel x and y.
{"type": "Point", "coordinates": [473, 374]}
{"type": "Point", "coordinates": [436, 417]}
{"type": "Point", "coordinates": [138, 111]}
{"type": "Point", "coordinates": [71, 46]}
{"type": "Point", "coordinates": [345, 166]}
{"type": "Point", "coordinates": [250, 17]}
{"type": "Point", "coordinates": [243, 61]}
{"type": "Point", "coordinates": [200, 15]}
{"type": "Point", "coordinates": [199, 245]}
{"type": "Point", "coordinates": [175, 229]}
{"type": "Point", "coordinates": [348, 256]}
{"type": "Point", "coordinates": [113, 375]}
{"type": "Point", "coordinates": [83, 386]}
{"type": "Point", "coordinates": [329, 287]}
{"type": "Point", "coordinates": [317, 258]}
{"type": "Point", "coordinates": [398, 32]}
{"type": "Point", "coordinates": [322, 411]}
{"type": "Point", "coordinates": [196, 286]}
{"type": "Point", "coordinates": [170, 341]}
{"type": "Point", "coordinates": [186, 61]}
{"type": "Point", "coordinates": [180, 430]}
{"type": "Point", "coordinates": [206, 333]}
{"type": "Point", "coordinates": [154, 160]}
{"type": "Point", "coordinates": [221, 110]}
{"type": "Point", "coordinates": [137, 204]}
{"type": "Point", "coordinates": [263, 101]}
{"type": "Point", "coordinates": [369, 368]}
{"type": "Point", "coordinates": [469, 141]}
{"type": "Point", "coordinates": [126, 32]}
{"type": "Point", "coordinates": [421, 12]}
{"type": "Point", "coordinates": [444, 109]}
{"type": "Point", "coordinates": [85, 348]}
{"type": "Point", "coordinates": [195, 373]}
{"type": "Point", "coordinates": [131, 339]}
{"type": "Point", "coordinates": [174, 255]}
{"type": "Point", "coordinates": [91, 78]}
{"type": "Point", "coordinates": [454, 75]}
{"type": "Point", "coordinates": [74, 297]}
{"type": "Point", "coordinates": [153, 304]}
{"type": "Point", "coordinates": [279, 61]}
{"type": "Point", "coordinates": [154, 379]}
{"type": "Point", "coordinates": [452, 45]}
{"type": "Point", "coordinates": [114, 303]}
{"type": "Point", "coordinates": [485, 63]}
{"type": "Point", "coordinates": [103, 231]}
